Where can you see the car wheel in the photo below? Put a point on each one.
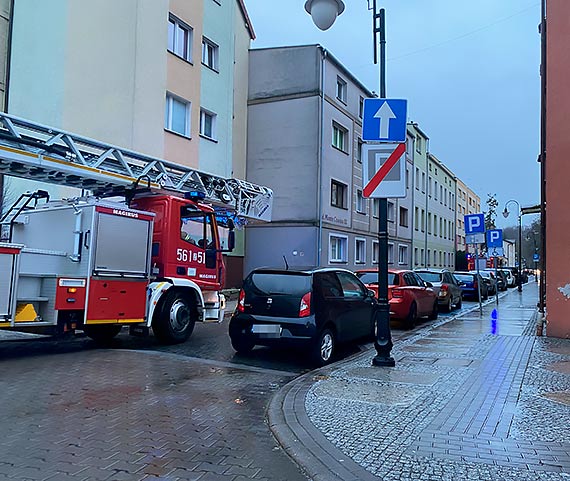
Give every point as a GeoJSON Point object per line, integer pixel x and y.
{"type": "Point", "coordinates": [175, 318]}
{"type": "Point", "coordinates": [102, 333]}
{"type": "Point", "coordinates": [242, 344]}
{"type": "Point", "coordinates": [412, 316]}
{"type": "Point", "coordinates": [434, 312]}
{"type": "Point", "coordinates": [324, 348]}
{"type": "Point", "coordinates": [447, 308]}
{"type": "Point", "coordinates": [459, 302]}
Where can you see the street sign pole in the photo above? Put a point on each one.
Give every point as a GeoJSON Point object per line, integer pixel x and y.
{"type": "Point", "coordinates": [383, 342]}
{"type": "Point", "coordinates": [496, 261]}
{"type": "Point", "coordinates": [478, 280]}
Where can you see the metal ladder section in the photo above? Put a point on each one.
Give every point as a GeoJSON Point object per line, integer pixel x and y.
{"type": "Point", "coordinates": [38, 152]}
{"type": "Point", "coordinates": [8, 219]}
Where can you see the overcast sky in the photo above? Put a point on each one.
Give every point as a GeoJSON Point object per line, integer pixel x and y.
{"type": "Point", "coordinates": [470, 72]}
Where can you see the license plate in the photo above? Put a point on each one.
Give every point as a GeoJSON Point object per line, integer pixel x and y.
{"type": "Point", "coordinates": [271, 329]}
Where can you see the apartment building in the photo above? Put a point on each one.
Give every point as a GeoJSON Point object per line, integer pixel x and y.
{"type": "Point", "coordinates": [304, 141]}
{"type": "Point", "coordinates": [5, 21]}
{"type": "Point", "coordinates": [467, 202]}
{"type": "Point", "coordinates": [441, 215]}
{"type": "Point", "coordinates": [166, 78]}
{"type": "Point", "coordinates": [417, 146]}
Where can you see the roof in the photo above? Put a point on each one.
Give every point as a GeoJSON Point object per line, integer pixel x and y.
{"type": "Point", "coordinates": [246, 18]}
{"type": "Point", "coordinates": [298, 270]}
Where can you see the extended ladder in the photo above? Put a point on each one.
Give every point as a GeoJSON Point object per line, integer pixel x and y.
{"type": "Point", "coordinates": [38, 152]}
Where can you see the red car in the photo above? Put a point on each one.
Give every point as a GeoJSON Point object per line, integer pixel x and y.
{"type": "Point", "coordinates": [409, 296]}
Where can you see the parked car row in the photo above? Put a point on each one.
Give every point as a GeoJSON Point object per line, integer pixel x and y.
{"type": "Point", "coordinates": [320, 308]}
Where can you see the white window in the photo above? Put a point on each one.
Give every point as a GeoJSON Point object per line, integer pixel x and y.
{"type": "Point", "coordinates": [339, 139]}
{"type": "Point", "coordinates": [177, 115]}
{"type": "Point", "coordinates": [376, 208]}
{"type": "Point", "coordinates": [375, 251]}
{"type": "Point", "coordinates": [360, 251]}
{"type": "Point", "coordinates": [339, 194]}
{"type": "Point", "coordinates": [179, 38]}
{"type": "Point", "coordinates": [341, 89]}
{"type": "Point", "coordinates": [360, 202]}
{"type": "Point", "coordinates": [402, 254]}
{"type": "Point", "coordinates": [419, 144]}
{"type": "Point", "coordinates": [390, 253]}
{"type": "Point", "coordinates": [391, 211]}
{"type": "Point", "coordinates": [210, 53]}
{"type": "Point", "coordinates": [207, 124]}
{"type": "Point", "coordinates": [337, 248]}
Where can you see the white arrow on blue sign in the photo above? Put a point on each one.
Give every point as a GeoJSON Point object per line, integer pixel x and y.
{"type": "Point", "coordinates": [495, 238]}
{"type": "Point", "coordinates": [384, 120]}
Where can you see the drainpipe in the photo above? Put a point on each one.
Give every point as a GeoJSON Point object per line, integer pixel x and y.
{"type": "Point", "coordinates": [426, 213]}
{"type": "Point", "coordinates": [320, 159]}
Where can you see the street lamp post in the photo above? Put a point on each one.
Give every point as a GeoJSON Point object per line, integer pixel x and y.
{"type": "Point", "coordinates": [505, 215]}
{"type": "Point", "coordinates": [324, 13]}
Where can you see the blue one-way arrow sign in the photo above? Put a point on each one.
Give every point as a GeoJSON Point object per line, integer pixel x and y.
{"type": "Point", "coordinates": [384, 120]}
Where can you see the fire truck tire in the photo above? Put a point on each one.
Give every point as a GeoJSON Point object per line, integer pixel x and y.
{"type": "Point", "coordinates": [102, 333]}
{"type": "Point", "coordinates": [174, 320]}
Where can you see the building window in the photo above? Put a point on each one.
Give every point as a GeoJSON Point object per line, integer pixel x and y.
{"type": "Point", "coordinates": [419, 145]}
{"type": "Point", "coordinates": [407, 179]}
{"type": "Point", "coordinates": [210, 54]}
{"type": "Point", "coordinates": [361, 107]}
{"type": "Point", "coordinates": [440, 227]}
{"type": "Point", "coordinates": [359, 151]}
{"type": "Point", "coordinates": [417, 179]}
{"type": "Point", "coordinates": [376, 208]}
{"type": "Point", "coordinates": [435, 225]}
{"type": "Point", "coordinates": [179, 38]}
{"type": "Point", "coordinates": [390, 253]}
{"type": "Point", "coordinates": [403, 217]}
{"type": "Point", "coordinates": [423, 220]}
{"type": "Point", "coordinates": [337, 248]}
{"type": "Point", "coordinates": [207, 124]}
{"type": "Point", "coordinates": [410, 147]}
{"type": "Point", "coordinates": [416, 256]}
{"type": "Point", "coordinates": [423, 182]}
{"type": "Point", "coordinates": [177, 115]}
{"type": "Point", "coordinates": [429, 223]}
{"type": "Point", "coordinates": [360, 251]}
{"type": "Point", "coordinates": [360, 203]}
{"type": "Point", "coordinates": [416, 218]}
{"type": "Point", "coordinates": [422, 255]}
{"type": "Point", "coordinates": [339, 195]}
{"type": "Point", "coordinates": [402, 254]}
{"type": "Point", "coordinates": [375, 251]}
{"type": "Point", "coordinates": [428, 258]}
{"type": "Point", "coordinates": [341, 90]}
{"type": "Point", "coordinates": [441, 194]}
{"type": "Point", "coordinates": [391, 211]}
{"type": "Point", "coordinates": [435, 190]}
{"type": "Point", "coordinates": [339, 139]}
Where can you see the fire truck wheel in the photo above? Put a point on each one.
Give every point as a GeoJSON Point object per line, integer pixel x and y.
{"type": "Point", "coordinates": [174, 320]}
{"type": "Point", "coordinates": [102, 333]}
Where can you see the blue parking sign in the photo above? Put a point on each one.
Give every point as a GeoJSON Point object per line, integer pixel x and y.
{"type": "Point", "coordinates": [474, 223]}
{"type": "Point", "coordinates": [495, 238]}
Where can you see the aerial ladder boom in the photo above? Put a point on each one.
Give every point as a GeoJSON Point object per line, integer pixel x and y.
{"type": "Point", "coordinates": [37, 152]}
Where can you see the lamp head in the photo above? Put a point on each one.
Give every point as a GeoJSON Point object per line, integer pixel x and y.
{"type": "Point", "coordinates": [324, 12]}
{"type": "Point", "coordinates": [506, 213]}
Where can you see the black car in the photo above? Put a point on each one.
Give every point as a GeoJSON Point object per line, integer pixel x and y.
{"type": "Point", "coordinates": [471, 284]}
{"type": "Point", "coordinates": [314, 308]}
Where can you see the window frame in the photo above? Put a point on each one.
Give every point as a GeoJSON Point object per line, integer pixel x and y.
{"type": "Point", "coordinates": [169, 101]}
{"type": "Point", "coordinates": [336, 127]}
{"type": "Point", "coordinates": [402, 248]}
{"type": "Point", "coordinates": [335, 184]}
{"type": "Point", "coordinates": [343, 239]}
{"type": "Point", "coordinates": [359, 241]}
{"type": "Point", "coordinates": [203, 114]}
{"type": "Point", "coordinates": [360, 202]}
{"type": "Point", "coordinates": [215, 48]}
{"type": "Point", "coordinates": [180, 25]}
{"type": "Point", "coordinates": [341, 89]}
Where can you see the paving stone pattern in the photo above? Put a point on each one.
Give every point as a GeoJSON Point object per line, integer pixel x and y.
{"type": "Point", "coordinates": [119, 415]}
{"type": "Point", "coordinates": [480, 412]}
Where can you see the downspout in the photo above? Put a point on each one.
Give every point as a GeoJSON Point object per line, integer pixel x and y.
{"type": "Point", "coordinates": [426, 217]}
{"type": "Point", "coordinates": [413, 209]}
{"type": "Point", "coordinates": [320, 159]}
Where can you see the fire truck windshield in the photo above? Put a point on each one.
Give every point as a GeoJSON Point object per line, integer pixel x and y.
{"type": "Point", "coordinates": [196, 229]}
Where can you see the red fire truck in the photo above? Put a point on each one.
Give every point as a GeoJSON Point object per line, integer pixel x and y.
{"type": "Point", "coordinates": [143, 249]}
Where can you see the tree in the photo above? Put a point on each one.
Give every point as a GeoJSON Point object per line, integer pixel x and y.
{"type": "Point", "coordinates": [491, 213]}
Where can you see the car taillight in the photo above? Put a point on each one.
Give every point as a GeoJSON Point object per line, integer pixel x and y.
{"type": "Point", "coordinates": [444, 287]}
{"type": "Point", "coordinates": [475, 284]}
{"type": "Point", "coordinates": [305, 305]}
{"type": "Point", "coordinates": [443, 290]}
{"type": "Point", "coordinates": [241, 302]}
{"type": "Point", "coordinates": [397, 293]}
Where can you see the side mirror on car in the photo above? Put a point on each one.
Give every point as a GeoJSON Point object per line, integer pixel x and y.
{"type": "Point", "coordinates": [371, 293]}
{"type": "Point", "coordinates": [429, 284]}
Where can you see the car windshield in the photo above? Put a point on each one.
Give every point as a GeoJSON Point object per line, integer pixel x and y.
{"type": "Point", "coordinates": [372, 277]}
{"type": "Point", "coordinates": [464, 277]}
{"type": "Point", "coordinates": [430, 276]}
{"type": "Point", "coordinates": [270, 283]}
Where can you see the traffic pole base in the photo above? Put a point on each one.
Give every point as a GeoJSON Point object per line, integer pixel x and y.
{"type": "Point", "coordinates": [381, 361]}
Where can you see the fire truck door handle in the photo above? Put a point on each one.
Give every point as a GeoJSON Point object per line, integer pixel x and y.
{"type": "Point", "coordinates": [85, 237]}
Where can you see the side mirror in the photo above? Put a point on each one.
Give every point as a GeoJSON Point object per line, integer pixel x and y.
{"type": "Point", "coordinates": [461, 283]}
{"type": "Point", "coordinates": [429, 284]}
{"type": "Point", "coordinates": [371, 293]}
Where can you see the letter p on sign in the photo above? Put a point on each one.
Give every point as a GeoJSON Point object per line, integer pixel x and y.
{"type": "Point", "coordinates": [474, 223]}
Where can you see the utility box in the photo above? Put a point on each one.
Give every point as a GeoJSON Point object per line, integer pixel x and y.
{"type": "Point", "coordinates": [9, 266]}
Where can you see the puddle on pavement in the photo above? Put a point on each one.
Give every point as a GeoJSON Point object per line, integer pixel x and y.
{"type": "Point", "coordinates": [562, 397]}
{"type": "Point", "coordinates": [394, 375]}
{"type": "Point", "coordinates": [370, 393]}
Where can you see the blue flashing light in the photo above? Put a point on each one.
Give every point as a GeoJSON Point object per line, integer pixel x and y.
{"type": "Point", "coordinates": [194, 195]}
{"type": "Point", "coordinates": [494, 322]}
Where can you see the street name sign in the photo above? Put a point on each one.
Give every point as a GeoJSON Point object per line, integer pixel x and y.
{"type": "Point", "coordinates": [384, 175]}
{"type": "Point", "coordinates": [384, 120]}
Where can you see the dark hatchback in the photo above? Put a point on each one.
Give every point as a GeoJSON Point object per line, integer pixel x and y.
{"type": "Point", "coordinates": [471, 284]}
{"type": "Point", "coordinates": [313, 308]}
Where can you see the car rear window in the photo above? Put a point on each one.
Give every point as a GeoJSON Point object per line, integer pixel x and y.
{"type": "Point", "coordinates": [269, 283]}
{"type": "Point", "coordinates": [372, 278]}
{"type": "Point", "coordinates": [430, 276]}
{"type": "Point", "coordinates": [464, 277]}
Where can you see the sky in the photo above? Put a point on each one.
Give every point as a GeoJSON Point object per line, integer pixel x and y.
{"type": "Point", "coordinates": [470, 72]}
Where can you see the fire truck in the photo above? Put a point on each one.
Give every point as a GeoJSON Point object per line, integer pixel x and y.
{"type": "Point", "coordinates": [142, 246]}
